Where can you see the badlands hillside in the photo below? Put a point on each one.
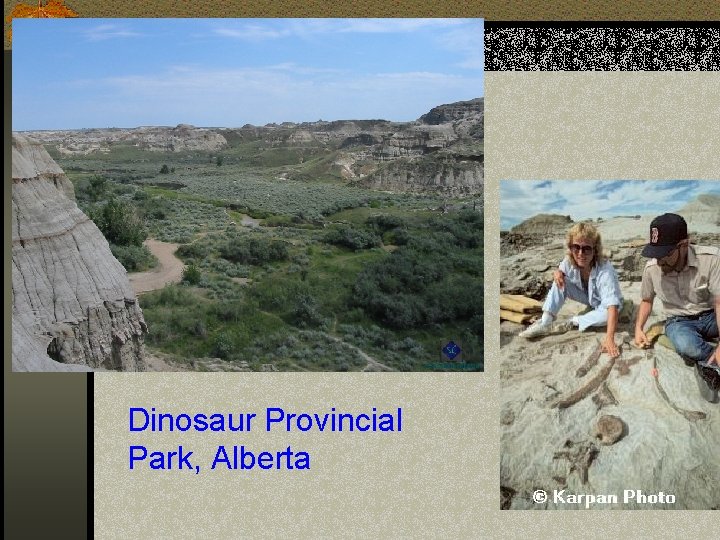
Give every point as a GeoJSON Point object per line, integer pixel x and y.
{"type": "Point", "coordinates": [558, 393]}
{"type": "Point", "coordinates": [73, 308]}
{"type": "Point", "coordinates": [441, 152]}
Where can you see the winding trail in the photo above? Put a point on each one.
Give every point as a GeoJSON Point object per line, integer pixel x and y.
{"type": "Point", "coordinates": [372, 364]}
{"type": "Point", "coordinates": [168, 270]}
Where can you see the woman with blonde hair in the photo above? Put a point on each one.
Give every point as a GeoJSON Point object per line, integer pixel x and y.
{"type": "Point", "coordinates": [586, 277]}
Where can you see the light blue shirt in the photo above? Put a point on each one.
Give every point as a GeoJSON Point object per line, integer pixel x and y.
{"type": "Point", "coordinates": [603, 286]}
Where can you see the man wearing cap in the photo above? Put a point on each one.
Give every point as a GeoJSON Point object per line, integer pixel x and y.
{"type": "Point", "coordinates": [686, 278]}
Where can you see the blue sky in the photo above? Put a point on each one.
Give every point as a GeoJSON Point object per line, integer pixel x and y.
{"type": "Point", "coordinates": [585, 199]}
{"type": "Point", "coordinates": [83, 73]}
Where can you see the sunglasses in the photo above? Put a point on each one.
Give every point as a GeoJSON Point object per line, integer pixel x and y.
{"type": "Point", "coordinates": [577, 248]}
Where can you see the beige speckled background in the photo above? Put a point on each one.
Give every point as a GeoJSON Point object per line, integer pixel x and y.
{"type": "Point", "coordinates": [440, 476]}
{"type": "Point", "coordinates": [425, 480]}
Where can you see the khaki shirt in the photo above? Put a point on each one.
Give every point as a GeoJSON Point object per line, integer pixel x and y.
{"type": "Point", "coordinates": [690, 291]}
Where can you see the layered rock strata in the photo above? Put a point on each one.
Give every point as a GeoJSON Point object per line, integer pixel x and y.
{"type": "Point", "coordinates": [441, 152]}
{"type": "Point", "coordinates": [73, 307]}
{"type": "Point", "coordinates": [181, 138]}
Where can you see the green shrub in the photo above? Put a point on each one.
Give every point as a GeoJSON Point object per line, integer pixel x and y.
{"type": "Point", "coordinates": [398, 237]}
{"type": "Point", "coordinates": [281, 221]}
{"type": "Point", "coordinates": [222, 346]}
{"type": "Point", "coordinates": [156, 208]}
{"type": "Point", "coordinates": [424, 282]}
{"type": "Point", "coordinates": [232, 312]}
{"type": "Point", "coordinates": [355, 239]}
{"type": "Point", "coordinates": [170, 295]}
{"type": "Point", "coordinates": [191, 274]}
{"type": "Point", "coordinates": [254, 251]}
{"type": "Point", "coordinates": [306, 312]}
{"type": "Point", "coordinates": [119, 223]}
{"type": "Point", "coordinates": [384, 222]}
{"type": "Point", "coordinates": [198, 329]}
{"type": "Point", "coordinates": [134, 258]}
{"type": "Point", "coordinates": [197, 250]}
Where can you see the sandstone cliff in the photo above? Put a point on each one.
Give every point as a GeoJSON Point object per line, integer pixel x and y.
{"type": "Point", "coordinates": [448, 175]}
{"type": "Point", "coordinates": [73, 307]}
{"type": "Point", "coordinates": [441, 153]}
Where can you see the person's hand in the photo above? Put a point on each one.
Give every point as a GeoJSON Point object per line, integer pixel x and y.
{"type": "Point", "coordinates": [641, 339]}
{"type": "Point", "coordinates": [715, 358]}
{"type": "Point", "coordinates": [559, 279]}
{"type": "Point", "coordinates": [610, 347]}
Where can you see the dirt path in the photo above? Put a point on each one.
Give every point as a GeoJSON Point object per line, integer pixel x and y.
{"type": "Point", "coordinates": [372, 364]}
{"type": "Point", "coordinates": [155, 361]}
{"type": "Point", "coordinates": [168, 270]}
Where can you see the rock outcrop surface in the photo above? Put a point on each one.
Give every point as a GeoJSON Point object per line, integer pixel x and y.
{"type": "Point", "coordinates": [634, 432]}
{"type": "Point", "coordinates": [454, 112]}
{"type": "Point", "coordinates": [73, 307]}
{"type": "Point", "coordinates": [441, 153]}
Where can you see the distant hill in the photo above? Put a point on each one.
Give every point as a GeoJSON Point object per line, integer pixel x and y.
{"type": "Point", "coordinates": [441, 152]}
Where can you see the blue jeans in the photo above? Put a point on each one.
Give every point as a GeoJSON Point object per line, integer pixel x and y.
{"type": "Point", "coordinates": [557, 296]}
{"type": "Point", "coordinates": [688, 335]}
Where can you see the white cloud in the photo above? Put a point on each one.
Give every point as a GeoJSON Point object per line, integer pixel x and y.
{"type": "Point", "coordinates": [108, 31]}
{"type": "Point", "coordinates": [282, 28]}
{"type": "Point", "coordinates": [281, 92]}
{"type": "Point", "coordinates": [467, 43]}
{"type": "Point", "coordinates": [588, 199]}
{"type": "Point", "coordinates": [251, 32]}
{"type": "Point", "coordinates": [463, 37]}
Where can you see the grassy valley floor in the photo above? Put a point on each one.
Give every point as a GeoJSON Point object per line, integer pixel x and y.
{"type": "Point", "coordinates": [286, 273]}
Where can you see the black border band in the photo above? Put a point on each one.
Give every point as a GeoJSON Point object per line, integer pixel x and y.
{"type": "Point", "coordinates": [602, 47]}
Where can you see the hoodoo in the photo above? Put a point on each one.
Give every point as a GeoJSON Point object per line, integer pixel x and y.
{"type": "Point", "coordinates": [73, 308]}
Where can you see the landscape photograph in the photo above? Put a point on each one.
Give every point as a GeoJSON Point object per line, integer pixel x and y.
{"type": "Point", "coordinates": [594, 413]}
{"type": "Point", "coordinates": [247, 195]}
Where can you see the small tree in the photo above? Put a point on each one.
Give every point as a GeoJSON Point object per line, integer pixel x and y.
{"type": "Point", "coordinates": [219, 161]}
{"type": "Point", "coordinates": [164, 169]}
{"type": "Point", "coordinates": [307, 312]}
{"type": "Point", "coordinates": [222, 346]}
{"type": "Point", "coordinates": [191, 274]}
{"type": "Point", "coordinates": [120, 224]}
{"type": "Point", "coordinates": [97, 187]}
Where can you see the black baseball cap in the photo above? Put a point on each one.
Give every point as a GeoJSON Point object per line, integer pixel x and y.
{"type": "Point", "coordinates": [665, 232]}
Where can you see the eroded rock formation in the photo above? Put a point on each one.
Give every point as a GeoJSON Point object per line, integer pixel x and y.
{"type": "Point", "coordinates": [441, 152]}
{"type": "Point", "coordinates": [183, 137]}
{"type": "Point", "coordinates": [73, 308]}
